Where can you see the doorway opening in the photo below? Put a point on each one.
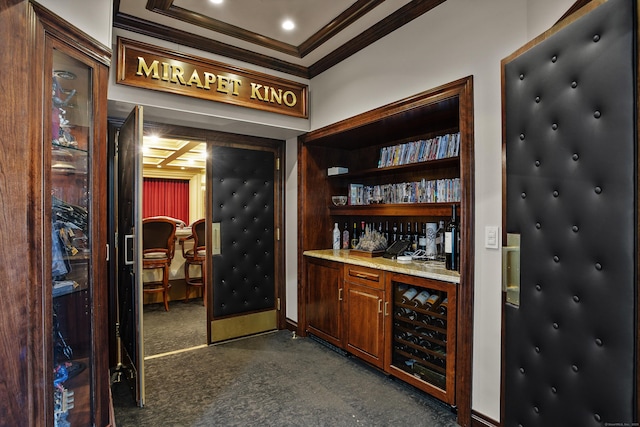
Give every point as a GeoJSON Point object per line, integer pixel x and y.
{"type": "Point", "coordinates": [174, 187]}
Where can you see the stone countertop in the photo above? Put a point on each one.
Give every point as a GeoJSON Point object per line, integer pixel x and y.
{"type": "Point", "coordinates": [427, 269]}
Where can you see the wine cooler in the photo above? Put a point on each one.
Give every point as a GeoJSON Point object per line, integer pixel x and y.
{"type": "Point", "coordinates": [423, 334]}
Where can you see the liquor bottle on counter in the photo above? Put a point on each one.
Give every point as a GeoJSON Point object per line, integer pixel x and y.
{"type": "Point", "coordinates": [400, 233]}
{"type": "Point", "coordinates": [336, 236]}
{"type": "Point", "coordinates": [451, 243]}
{"type": "Point", "coordinates": [409, 236]}
{"type": "Point", "coordinates": [354, 238]}
{"type": "Point", "coordinates": [394, 236]}
{"type": "Point", "coordinates": [422, 239]}
{"type": "Point", "coordinates": [416, 236]}
{"type": "Point", "coordinates": [440, 241]}
{"type": "Point", "coordinates": [345, 236]}
{"type": "Point", "coordinates": [386, 232]}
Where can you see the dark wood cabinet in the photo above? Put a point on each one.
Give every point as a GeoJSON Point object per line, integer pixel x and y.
{"type": "Point", "coordinates": [364, 313]}
{"type": "Point", "coordinates": [414, 190]}
{"type": "Point", "coordinates": [325, 296]}
{"type": "Point", "coordinates": [53, 192]}
{"type": "Point", "coordinates": [421, 347]}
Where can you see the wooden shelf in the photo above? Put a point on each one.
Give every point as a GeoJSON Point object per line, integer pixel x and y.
{"type": "Point", "coordinates": [396, 209]}
{"type": "Point", "coordinates": [394, 170]}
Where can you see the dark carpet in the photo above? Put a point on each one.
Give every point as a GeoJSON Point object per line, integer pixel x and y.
{"type": "Point", "coordinates": [183, 326]}
{"type": "Point", "coordinates": [273, 380]}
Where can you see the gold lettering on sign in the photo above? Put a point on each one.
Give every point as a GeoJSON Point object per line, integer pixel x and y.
{"type": "Point", "coordinates": [273, 95]}
{"type": "Point", "coordinates": [144, 70]}
{"type": "Point", "coordinates": [195, 78]}
{"type": "Point", "coordinates": [208, 80]}
{"type": "Point", "coordinates": [290, 99]}
{"type": "Point", "coordinates": [151, 67]}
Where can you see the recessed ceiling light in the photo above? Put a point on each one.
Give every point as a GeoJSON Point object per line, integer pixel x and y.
{"type": "Point", "coordinates": [216, 1]}
{"type": "Point", "coordinates": [288, 25]}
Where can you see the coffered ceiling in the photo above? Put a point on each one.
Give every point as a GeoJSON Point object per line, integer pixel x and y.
{"type": "Point", "coordinates": [326, 31]}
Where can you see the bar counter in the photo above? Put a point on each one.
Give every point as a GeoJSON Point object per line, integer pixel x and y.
{"type": "Point", "coordinates": [426, 269]}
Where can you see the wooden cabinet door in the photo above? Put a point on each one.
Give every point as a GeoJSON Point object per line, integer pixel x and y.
{"type": "Point", "coordinates": [365, 323]}
{"type": "Point", "coordinates": [324, 300]}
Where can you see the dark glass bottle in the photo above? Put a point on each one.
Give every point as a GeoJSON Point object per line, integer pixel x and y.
{"type": "Point", "coordinates": [451, 243]}
{"type": "Point", "coordinates": [345, 237]}
{"type": "Point", "coordinates": [354, 237]}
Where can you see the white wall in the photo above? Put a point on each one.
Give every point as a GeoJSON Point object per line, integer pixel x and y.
{"type": "Point", "coordinates": [291, 228]}
{"type": "Point", "coordinates": [456, 39]}
{"type": "Point", "coordinates": [94, 17]}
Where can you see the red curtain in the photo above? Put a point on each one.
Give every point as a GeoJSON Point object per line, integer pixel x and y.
{"type": "Point", "coordinates": [167, 197]}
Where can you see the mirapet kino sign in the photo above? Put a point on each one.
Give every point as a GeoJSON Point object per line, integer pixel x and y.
{"type": "Point", "coordinates": [152, 67]}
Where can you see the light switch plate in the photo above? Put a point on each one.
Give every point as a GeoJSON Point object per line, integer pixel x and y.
{"type": "Point", "coordinates": [492, 237]}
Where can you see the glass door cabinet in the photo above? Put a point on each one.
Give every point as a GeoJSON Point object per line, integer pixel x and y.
{"type": "Point", "coordinates": [74, 224]}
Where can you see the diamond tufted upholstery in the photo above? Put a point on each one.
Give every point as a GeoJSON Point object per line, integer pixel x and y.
{"type": "Point", "coordinates": [243, 202]}
{"type": "Point", "coordinates": [570, 142]}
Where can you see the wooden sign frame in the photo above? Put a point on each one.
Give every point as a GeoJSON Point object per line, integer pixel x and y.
{"type": "Point", "coordinates": [151, 67]}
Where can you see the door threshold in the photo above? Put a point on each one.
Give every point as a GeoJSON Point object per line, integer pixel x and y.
{"type": "Point", "coordinates": [170, 353]}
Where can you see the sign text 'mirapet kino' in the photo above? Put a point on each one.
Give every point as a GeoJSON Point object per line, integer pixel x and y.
{"type": "Point", "coordinates": [155, 68]}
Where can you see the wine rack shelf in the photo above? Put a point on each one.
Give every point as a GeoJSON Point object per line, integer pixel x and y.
{"type": "Point", "coordinates": [423, 336]}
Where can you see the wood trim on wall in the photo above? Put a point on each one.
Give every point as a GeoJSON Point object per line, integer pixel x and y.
{"type": "Point", "coordinates": [353, 13]}
{"type": "Point", "coordinates": [402, 16]}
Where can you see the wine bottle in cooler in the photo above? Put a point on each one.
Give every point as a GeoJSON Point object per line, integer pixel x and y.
{"type": "Point", "coordinates": [442, 308]}
{"type": "Point", "coordinates": [451, 243]}
{"type": "Point", "coordinates": [421, 299]}
{"type": "Point", "coordinates": [408, 295]}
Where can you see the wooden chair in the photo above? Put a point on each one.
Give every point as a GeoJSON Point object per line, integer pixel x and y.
{"type": "Point", "coordinates": [158, 248]}
{"type": "Point", "coordinates": [195, 256]}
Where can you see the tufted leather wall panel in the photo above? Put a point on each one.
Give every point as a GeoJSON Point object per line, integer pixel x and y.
{"type": "Point", "coordinates": [570, 142]}
{"type": "Point", "coordinates": [243, 202]}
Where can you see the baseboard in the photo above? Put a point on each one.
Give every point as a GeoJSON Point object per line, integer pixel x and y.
{"type": "Point", "coordinates": [481, 420]}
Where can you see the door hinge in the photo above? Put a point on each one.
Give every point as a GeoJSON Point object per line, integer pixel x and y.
{"type": "Point", "coordinates": [107, 252]}
{"type": "Point", "coordinates": [278, 234]}
{"type": "Point", "coordinates": [117, 330]}
{"type": "Point", "coordinates": [277, 163]}
{"type": "Point", "coordinates": [278, 304]}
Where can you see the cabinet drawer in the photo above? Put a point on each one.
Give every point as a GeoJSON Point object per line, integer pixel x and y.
{"type": "Point", "coordinates": [364, 275]}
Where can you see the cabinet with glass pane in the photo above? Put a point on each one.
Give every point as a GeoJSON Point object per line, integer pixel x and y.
{"type": "Point", "coordinates": [74, 220]}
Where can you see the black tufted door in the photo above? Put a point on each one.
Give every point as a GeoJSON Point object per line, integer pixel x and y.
{"type": "Point", "coordinates": [244, 206]}
{"type": "Point", "coordinates": [570, 145]}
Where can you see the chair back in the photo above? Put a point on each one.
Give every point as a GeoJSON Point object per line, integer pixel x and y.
{"type": "Point", "coordinates": [159, 235]}
{"type": "Point", "coordinates": [198, 230]}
